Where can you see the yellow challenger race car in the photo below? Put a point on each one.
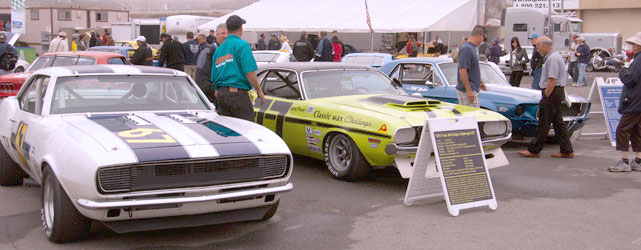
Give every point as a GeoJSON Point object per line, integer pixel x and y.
{"type": "Point", "coordinates": [355, 118]}
{"type": "Point", "coordinates": [132, 44]}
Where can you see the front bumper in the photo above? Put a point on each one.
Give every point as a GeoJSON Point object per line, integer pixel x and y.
{"type": "Point", "coordinates": [133, 203]}
{"type": "Point", "coordinates": [393, 148]}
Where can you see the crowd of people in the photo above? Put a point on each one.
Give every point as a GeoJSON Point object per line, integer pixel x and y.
{"type": "Point", "coordinates": [329, 49]}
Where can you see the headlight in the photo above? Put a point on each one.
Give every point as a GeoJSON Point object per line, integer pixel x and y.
{"type": "Point", "coordinates": [404, 135]}
{"type": "Point", "coordinates": [494, 128]}
{"type": "Point", "coordinates": [518, 111]}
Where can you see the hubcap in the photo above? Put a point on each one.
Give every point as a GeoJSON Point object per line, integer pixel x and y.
{"type": "Point", "coordinates": [340, 153]}
{"type": "Point", "coordinates": [47, 205]}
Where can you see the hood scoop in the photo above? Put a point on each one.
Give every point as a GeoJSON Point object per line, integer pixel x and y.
{"type": "Point", "coordinates": [402, 101]}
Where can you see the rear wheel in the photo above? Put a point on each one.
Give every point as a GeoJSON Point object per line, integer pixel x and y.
{"type": "Point", "coordinates": [343, 158]}
{"type": "Point", "coordinates": [60, 219]}
{"type": "Point", "coordinates": [10, 172]}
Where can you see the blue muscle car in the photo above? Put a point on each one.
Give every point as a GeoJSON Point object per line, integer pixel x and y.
{"type": "Point", "coordinates": [436, 78]}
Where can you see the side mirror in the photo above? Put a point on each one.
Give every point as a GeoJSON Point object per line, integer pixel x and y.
{"type": "Point", "coordinates": [429, 84]}
{"type": "Point", "coordinates": [397, 82]}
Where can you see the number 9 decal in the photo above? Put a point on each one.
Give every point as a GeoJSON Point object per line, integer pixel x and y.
{"type": "Point", "coordinates": [144, 132]}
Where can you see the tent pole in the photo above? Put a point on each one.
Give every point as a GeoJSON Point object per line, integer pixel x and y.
{"type": "Point", "coordinates": [425, 43]}
{"type": "Point", "coordinates": [371, 46]}
{"type": "Point", "coordinates": [449, 39]}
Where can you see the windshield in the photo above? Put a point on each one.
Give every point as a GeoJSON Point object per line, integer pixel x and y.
{"type": "Point", "coordinates": [375, 61]}
{"type": "Point", "coordinates": [117, 51]}
{"type": "Point", "coordinates": [330, 83]}
{"type": "Point", "coordinates": [265, 57]}
{"type": "Point", "coordinates": [123, 44]}
{"type": "Point", "coordinates": [118, 93]}
{"type": "Point", "coordinates": [575, 27]}
{"type": "Point", "coordinates": [40, 62]}
{"type": "Point", "coordinates": [488, 74]}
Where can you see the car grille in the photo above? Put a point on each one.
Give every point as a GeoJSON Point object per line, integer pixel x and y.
{"type": "Point", "coordinates": [191, 173]}
{"type": "Point", "coordinates": [419, 130]}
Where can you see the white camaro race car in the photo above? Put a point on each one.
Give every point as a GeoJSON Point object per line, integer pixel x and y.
{"type": "Point", "coordinates": [136, 148]}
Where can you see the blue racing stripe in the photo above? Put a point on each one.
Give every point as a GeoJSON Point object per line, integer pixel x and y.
{"type": "Point", "coordinates": [148, 142]}
{"type": "Point", "coordinates": [225, 140]}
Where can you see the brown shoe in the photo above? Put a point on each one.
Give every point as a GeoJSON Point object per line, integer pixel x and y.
{"type": "Point", "coordinates": [561, 155]}
{"type": "Point", "coordinates": [526, 153]}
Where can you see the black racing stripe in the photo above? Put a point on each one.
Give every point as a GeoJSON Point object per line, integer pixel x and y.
{"type": "Point", "coordinates": [144, 151]}
{"type": "Point", "coordinates": [431, 114]}
{"type": "Point", "coordinates": [262, 108]}
{"type": "Point", "coordinates": [226, 141]}
{"type": "Point", "coordinates": [327, 125]}
{"type": "Point", "coordinates": [282, 108]}
{"type": "Point", "coordinates": [456, 112]}
{"type": "Point", "coordinates": [270, 116]}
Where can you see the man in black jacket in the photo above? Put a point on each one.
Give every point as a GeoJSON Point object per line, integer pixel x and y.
{"type": "Point", "coordinates": [274, 43]}
{"type": "Point", "coordinates": [629, 129]}
{"type": "Point", "coordinates": [172, 53]}
{"type": "Point", "coordinates": [303, 49]}
{"type": "Point", "coordinates": [143, 54]}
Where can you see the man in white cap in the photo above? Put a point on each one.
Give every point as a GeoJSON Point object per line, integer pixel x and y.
{"type": "Point", "coordinates": [143, 54]}
{"type": "Point", "coordinates": [59, 43]}
{"type": "Point", "coordinates": [629, 129]}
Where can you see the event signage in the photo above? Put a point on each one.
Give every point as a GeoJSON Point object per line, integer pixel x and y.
{"type": "Point", "coordinates": [543, 4]}
{"type": "Point", "coordinates": [461, 163]}
{"type": "Point", "coordinates": [610, 99]}
{"type": "Point", "coordinates": [18, 13]}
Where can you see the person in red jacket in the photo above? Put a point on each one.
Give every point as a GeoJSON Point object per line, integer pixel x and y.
{"type": "Point", "coordinates": [338, 49]}
{"type": "Point", "coordinates": [412, 47]}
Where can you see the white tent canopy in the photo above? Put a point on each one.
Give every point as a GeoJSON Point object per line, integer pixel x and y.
{"type": "Point", "coordinates": [387, 16]}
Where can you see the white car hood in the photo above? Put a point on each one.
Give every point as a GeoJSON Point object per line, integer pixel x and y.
{"type": "Point", "coordinates": [149, 137]}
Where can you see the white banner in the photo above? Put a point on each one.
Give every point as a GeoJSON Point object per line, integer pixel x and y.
{"type": "Point", "coordinates": [18, 16]}
{"type": "Point", "coordinates": [543, 4]}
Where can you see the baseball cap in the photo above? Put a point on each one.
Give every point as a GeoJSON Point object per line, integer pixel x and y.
{"type": "Point", "coordinates": [234, 22]}
{"type": "Point", "coordinates": [581, 38]}
{"type": "Point", "coordinates": [535, 35]}
{"type": "Point", "coordinates": [274, 35]}
{"type": "Point", "coordinates": [635, 39]}
{"type": "Point", "coordinates": [142, 39]}
{"type": "Point", "coordinates": [62, 33]}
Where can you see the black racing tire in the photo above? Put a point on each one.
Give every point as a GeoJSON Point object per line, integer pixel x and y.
{"type": "Point", "coordinates": [272, 210]}
{"type": "Point", "coordinates": [10, 172]}
{"type": "Point", "coordinates": [60, 219]}
{"type": "Point", "coordinates": [349, 163]}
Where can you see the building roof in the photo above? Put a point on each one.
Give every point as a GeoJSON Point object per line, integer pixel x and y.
{"type": "Point", "coordinates": [75, 4]}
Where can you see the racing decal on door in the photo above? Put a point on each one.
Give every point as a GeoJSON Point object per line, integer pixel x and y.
{"type": "Point", "coordinates": [18, 143]}
{"type": "Point", "coordinates": [147, 141]}
{"type": "Point", "coordinates": [226, 141]}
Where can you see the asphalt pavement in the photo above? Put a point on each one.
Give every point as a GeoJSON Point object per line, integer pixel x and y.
{"type": "Point", "coordinates": [543, 203]}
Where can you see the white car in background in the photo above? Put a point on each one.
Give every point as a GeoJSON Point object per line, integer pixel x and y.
{"type": "Point", "coordinates": [505, 61]}
{"type": "Point", "coordinates": [272, 56]}
{"type": "Point", "coordinates": [136, 149]}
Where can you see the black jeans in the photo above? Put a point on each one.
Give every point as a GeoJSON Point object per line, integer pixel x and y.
{"type": "Point", "coordinates": [573, 70]}
{"type": "Point", "coordinates": [234, 103]}
{"type": "Point", "coordinates": [515, 78]}
{"type": "Point", "coordinates": [550, 109]}
{"type": "Point", "coordinates": [629, 130]}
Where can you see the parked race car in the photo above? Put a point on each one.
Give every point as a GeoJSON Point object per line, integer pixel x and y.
{"type": "Point", "coordinates": [436, 78]}
{"type": "Point", "coordinates": [10, 84]}
{"type": "Point", "coordinates": [353, 117]}
{"type": "Point", "coordinates": [375, 60]}
{"type": "Point", "coordinates": [272, 56]}
{"type": "Point", "coordinates": [136, 148]}
{"type": "Point", "coordinates": [127, 52]}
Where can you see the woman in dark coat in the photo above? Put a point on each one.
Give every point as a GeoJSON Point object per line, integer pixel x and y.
{"type": "Point", "coordinates": [518, 62]}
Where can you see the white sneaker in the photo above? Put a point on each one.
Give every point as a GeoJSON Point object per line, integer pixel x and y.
{"type": "Point", "coordinates": [620, 167]}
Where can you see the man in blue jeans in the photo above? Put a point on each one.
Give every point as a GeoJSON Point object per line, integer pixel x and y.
{"type": "Point", "coordinates": [536, 63]}
{"type": "Point", "coordinates": [582, 58]}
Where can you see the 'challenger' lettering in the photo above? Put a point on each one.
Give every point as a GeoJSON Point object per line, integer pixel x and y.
{"type": "Point", "coordinates": [357, 121]}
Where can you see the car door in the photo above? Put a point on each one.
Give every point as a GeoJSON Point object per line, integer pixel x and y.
{"type": "Point", "coordinates": [283, 102]}
{"type": "Point", "coordinates": [26, 123]}
{"type": "Point", "coordinates": [419, 78]}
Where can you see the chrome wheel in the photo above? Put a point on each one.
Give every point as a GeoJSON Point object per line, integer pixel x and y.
{"type": "Point", "coordinates": [48, 204]}
{"type": "Point", "coordinates": [340, 153]}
